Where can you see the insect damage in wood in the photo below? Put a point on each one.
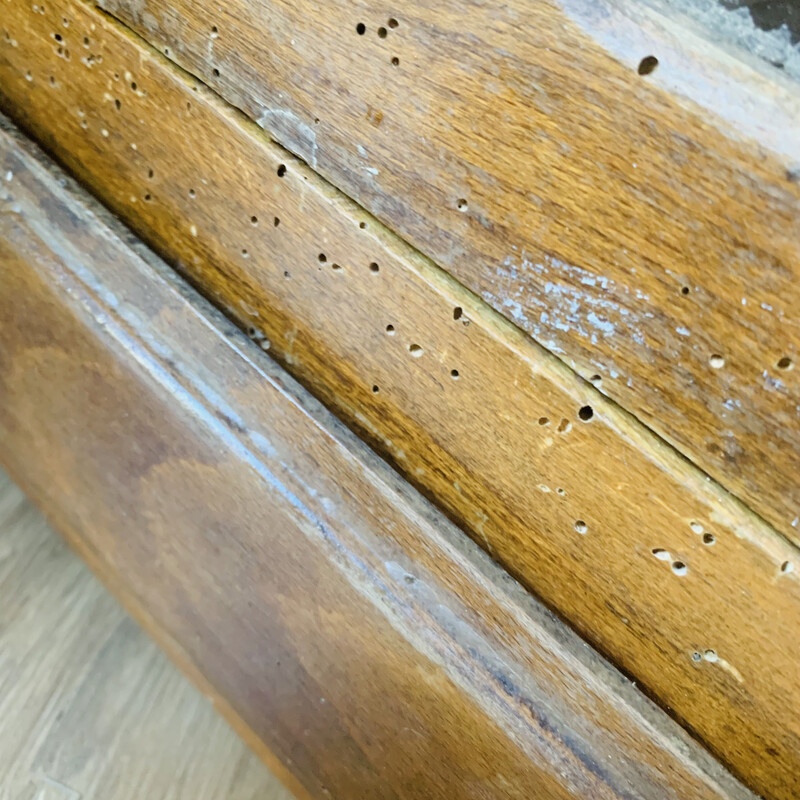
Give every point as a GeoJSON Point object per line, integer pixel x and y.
{"type": "Point", "coordinates": [345, 329]}
{"type": "Point", "coordinates": [666, 215]}
{"type": "Point", "coordinates": [315, 567]}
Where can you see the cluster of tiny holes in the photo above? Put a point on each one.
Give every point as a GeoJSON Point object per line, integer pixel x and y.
{"type": "Point", "coordinates": [382, 32]}
{"type": "Point", "coordinates": [677, 566]}
{"type": "Point", "coordinates": [585, 413]}
{"type": "Point", "coordinates": [148, 197]}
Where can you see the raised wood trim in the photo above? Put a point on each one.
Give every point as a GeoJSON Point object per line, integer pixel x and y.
{"type": "Point", "coordinates": [516, 145]}
{"type": "Point", "coordinates": [361, 637]}
{"type": "Point", "coordinates": [474, 444]}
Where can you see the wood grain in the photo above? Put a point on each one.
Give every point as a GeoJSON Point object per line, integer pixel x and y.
{"type": "Point", "coordinates": [641, 237]}
{"type": "Point", "coordinates": [90, 707]}
{"type": "Point", "coordinates": [582, 512]}
{"type": "Point", "coordinates": [361, 636]}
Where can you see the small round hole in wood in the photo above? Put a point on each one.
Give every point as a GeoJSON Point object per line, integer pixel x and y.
{"type": "Point", "coordinates": [647, 65]}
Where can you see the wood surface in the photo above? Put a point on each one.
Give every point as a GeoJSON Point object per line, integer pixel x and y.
{"type": "Point", "coordinates": [596, 517]}
{"type": "Point", "coordinates": [90, 707]}
{"type": "Point", "coordinates": [363, 638]}
{"type": "Point", "coordinates": [582, 512]}
{"type": "Point", "coordinates": [644, 228]}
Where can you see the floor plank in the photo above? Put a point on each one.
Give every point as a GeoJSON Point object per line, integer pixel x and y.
{"type": "Point", "coordinates": [90, 707]}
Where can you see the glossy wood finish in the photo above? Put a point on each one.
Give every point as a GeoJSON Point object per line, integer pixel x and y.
{"type": "Point", "coordinates": [358, 633]}
{"type": "Point", "coordinates": [583, 512]}
{"type": "Point", "coordinates": [641, 237]}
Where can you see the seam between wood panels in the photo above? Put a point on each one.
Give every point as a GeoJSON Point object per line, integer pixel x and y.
{"type": "Point", "coordinates": [625, 422]}
{"type": "Point", "coordinates": [442, 290]}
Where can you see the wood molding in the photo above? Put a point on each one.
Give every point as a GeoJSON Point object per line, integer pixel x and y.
{"type": "Point", "coordinates": [362, 637]}
{"type": "Point", "coordinates": [638, 235]}
{"type": "Point", "coordinates": [581, 512]}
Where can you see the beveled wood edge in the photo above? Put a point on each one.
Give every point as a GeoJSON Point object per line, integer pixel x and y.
{"type": "Point", "coordinates": [510, 601]}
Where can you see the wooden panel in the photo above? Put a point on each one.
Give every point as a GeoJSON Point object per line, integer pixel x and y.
{"type": "Point", "coordinates": [90, 706]}
{"type": "Point", "coordinates": [582, 512]}
{"type": "Point", "coordinates": [612, 220]}
{"type": "Point", "coordinates": [358, 633]}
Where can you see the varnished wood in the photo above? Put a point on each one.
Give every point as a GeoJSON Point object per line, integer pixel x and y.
{"type": "Point", "coordinates": [90, 707]}
{"type": "Point", "coordinates": [360, 635]}
{"type": "Point", "coordinates": [474, 443]}
{"type": "Point", "coordinates": [645, 228]}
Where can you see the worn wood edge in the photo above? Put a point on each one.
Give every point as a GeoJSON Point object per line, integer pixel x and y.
{"type": "Point", "coordinates": [739, 93]}
{"type": "Point", "coordinates": [464, 557]}
{"type": "Point", "coordinates": [333, 194]}
{"type": "Point", "coordinates": [753, 485]}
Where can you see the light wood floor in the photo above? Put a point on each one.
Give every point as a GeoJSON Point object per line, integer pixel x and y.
{"type": "Point", "coordinates": [90, 709]}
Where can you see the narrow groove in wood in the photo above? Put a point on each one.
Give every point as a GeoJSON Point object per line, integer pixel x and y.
{"type": "Point", "coordinates": [645, 238]}
{"type": "Point", "coordinates": [434, 273]}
